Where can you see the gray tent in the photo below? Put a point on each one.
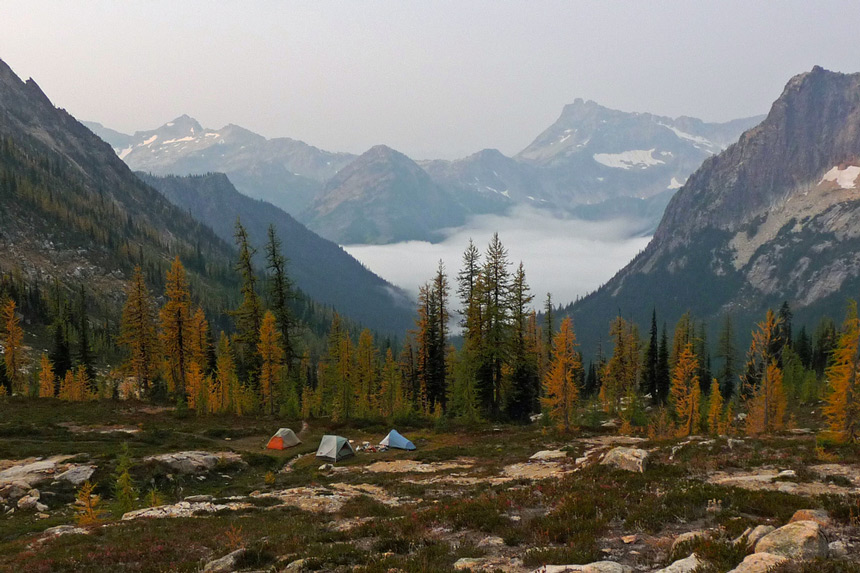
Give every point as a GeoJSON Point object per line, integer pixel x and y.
{"type": "Point", "coordinates": [283, 439]}
{"type": "Point", "coordinates": [334, 448]}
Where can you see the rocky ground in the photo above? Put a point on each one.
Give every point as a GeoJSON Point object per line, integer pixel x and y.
{"type": "Point", "coordinates": [521, 499]}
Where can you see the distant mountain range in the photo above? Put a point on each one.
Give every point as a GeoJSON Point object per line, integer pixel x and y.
{"type": "Point", "coordinates": [592, 162]}
{"type": "Point", "coordinates": [775, 217]}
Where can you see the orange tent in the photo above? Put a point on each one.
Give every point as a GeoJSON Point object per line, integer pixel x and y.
{"type": "Point", "coordinates": [283, 439]}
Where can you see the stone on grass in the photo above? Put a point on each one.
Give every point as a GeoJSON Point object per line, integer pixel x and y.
{"type": "Point", "coordinates": [819, 516]}
{"type": "Point", "coordinates": [491, 541]}
{"type": "Point", "coordinates": [76, 475]}
{"type": "Point", "coordinates": [198, 498]}
{"type": "Point", "coordinates": [467, 563]}
{"type": "Point", "coordinates": [27, 502]}
{"type": "Point", "coordinates": [548, 455]}
{"type": "Point", "coordinates": [758, 563]}
{"type": "Point", "coordinates": [686, 565]}
{"type": "Point", "coordinates": [65, 530]}
{"type": "Point", "coordinates": [596, 567]}
{"type": "Point", "coordinates": [689, 536]}
{"type": "Point", "coordinates": [295, 566]}
{"type": "Point", "coordinates": [629, 459]}
{"type": "Point", "coordinates": [798, 540]}
{"type": "Point", "coordinates": [225, 564]}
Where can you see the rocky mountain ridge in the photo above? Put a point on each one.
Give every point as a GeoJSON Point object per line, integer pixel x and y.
{"type": "Point", "coordinates": [774, 217]}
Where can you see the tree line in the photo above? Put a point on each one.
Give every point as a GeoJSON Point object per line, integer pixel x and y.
{"type": "Point", "coordinates": [510, 365]}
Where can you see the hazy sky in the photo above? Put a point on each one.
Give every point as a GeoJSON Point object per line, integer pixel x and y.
{"type": "Point", "coordinates": [432, 79]}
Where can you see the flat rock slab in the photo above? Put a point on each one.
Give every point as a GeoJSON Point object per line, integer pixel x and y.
{"type": "Point", "coordinates": [195, 462]}
{"type": "Point", "coordinates": [763, 479]}
{"type": "Point", "coordinates": [413, 466]}
{"type": "Point", "coordinates": [596, 567]}
{"type": "Point", "coordinates": [535, 470]}
{"type": "Point", "coordinates": [182, 509]}
{"type": "Point", "coordinates": [33, 470]}
{"type": "Point", "coordinates": [329, 499]}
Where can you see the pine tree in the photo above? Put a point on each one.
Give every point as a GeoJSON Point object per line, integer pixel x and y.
{"type": "Point", "coordinates": [281, 294]}
{"type": "Point", "coordinates": [524, 367]}
{"type": "Point", "coordinates": [824, 343]}
{"type": "Point", "coordinates": [686, 391]}
{"type": "Point", "coordinates": [13, 345]}
{"type": "Point", "coordinates": [176, 331]}
{"type": "Point", "coordinates": [561, 392]}
{"type": "Point", "coordinates": [548, 326]}
{"type": "Point", "coordinates": [497, 291]}
{"type": "Point", "coordinates": [137, 332]}
{"type": "Point", "coordinates": [652, 351]}
{"type": "Point", "coordinates": [391, 388]}
{"type": "Point", "coordinates": [715, 408]}
{"type": "Point", "coordinates": [438, 389]}
{"type": "Point", "coordinates": [85, 353]}
{"type": "Point", "coordinates": [272, 354]}
{"type": "Point", "coordinates": [61, 353]}
{"type": "Point", "coordinates": [47, 380]}
{"type": "Point", "coordinates": [249, 315]}
{"type": "Point", "coordinates": [727, 352]}
{"type": "Point", "coordinates": [843, 401]}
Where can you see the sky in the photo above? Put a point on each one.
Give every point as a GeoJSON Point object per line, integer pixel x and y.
{"type": "Point", "coordinates": [438, 79]}
{"type": "Point", "coordinates": [565, 257]}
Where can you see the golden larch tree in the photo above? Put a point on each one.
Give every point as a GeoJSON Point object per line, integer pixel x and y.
{"type": "Point", "coordinates": [199, 345]}
{"type": "Point", "coordinates": [176, 331]}
{"type": "Point", "coordinates": [685, 391]}
{"type": "Point", "coordinates": [843, 400]}
{"type": "Point", "coordinates": [225, 385]}
{"type": "Point", "coordinates": [67, 386]}
{"type": "Point", "coordinates": [195, 388]}
{"type": "Point", "coordinates": [272, 355]}
{"type": "Point", "coordinates": [47, 379]}
{"type": "Point", "coordinates": [366, 374]}
{"type": "Point", "coordinates": [561, 390]}
{"type": "Point", "coordinates": [13, 345]}
{"type": "Point", "coordinates": [715, 408]}
{"type": "Point", "coordinates": [766, 407]}
{"type": "Point", "coordinates": [137, 332]}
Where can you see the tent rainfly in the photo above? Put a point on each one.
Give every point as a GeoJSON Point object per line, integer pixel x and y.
{"type": "Point", "coordinates": [395, 439]}
{"type": "Point", "coordinates": [334, 448]}
{"type": "Point", "coordinates": [283, 439]}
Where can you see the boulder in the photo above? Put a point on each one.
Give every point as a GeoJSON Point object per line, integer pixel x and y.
{"type": "Point", "coordinates": [798, 540]}
{"type": "Point", "coordinates": [686, 565]}
{"type": "Point", "coordinates": [28, 502]}
{"type": "Point", "coordinates": [76, 475]}
{"type": "Point", "coordinates": [837, 549]}
{"type": "Point", "coordinates": [226, 564]}
{"type": "Point", "coordinates": [596, 567]}
{"type": "Point", "coordinates": [491, 541]}
{"type": "Point", "coordinates": [753, 534]}
{"type": "Point", "coordinates": [629, 459]}
{"type": "Point", "coordinates": [689, 536]}
{"type": "Point", "coordinates": [758, 563]}
{"type": "Point", "coordinates": [295, 566]}
{"type": "Point", "coordinates": [198, 498]}
{"type": "Point", "coordinates": [819, 516]}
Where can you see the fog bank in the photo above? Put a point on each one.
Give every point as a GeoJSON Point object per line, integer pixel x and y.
{"type": "Point", "coordinates": [567, 257]}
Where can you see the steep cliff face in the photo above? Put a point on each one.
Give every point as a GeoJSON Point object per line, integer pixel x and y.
{"type": "Point", "coordinates": [773, 217]}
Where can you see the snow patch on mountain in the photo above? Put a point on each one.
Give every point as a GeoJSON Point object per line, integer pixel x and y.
{"type": "Point", "coordinates": [641, 158]}
{"type": "Point", "coordinates": [675, 184]}
{"type": "Point", "coordinates": [845, 178]}
{"type": "Point", "coordinates": [696, 139]}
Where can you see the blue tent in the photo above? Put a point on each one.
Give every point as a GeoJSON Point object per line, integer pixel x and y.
{"type": "Point", "coordinates": [395, 440]}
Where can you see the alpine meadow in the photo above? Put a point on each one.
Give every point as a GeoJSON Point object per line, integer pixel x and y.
{"type": "Point", "coordinates": [625, 342]}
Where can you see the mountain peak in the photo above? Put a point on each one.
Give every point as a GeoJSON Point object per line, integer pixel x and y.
{"type": "Point", "coordinates": [184, 123]}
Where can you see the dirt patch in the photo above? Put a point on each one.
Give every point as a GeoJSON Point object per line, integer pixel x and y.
{"type": "Point", "coordinates": [75, 429]}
